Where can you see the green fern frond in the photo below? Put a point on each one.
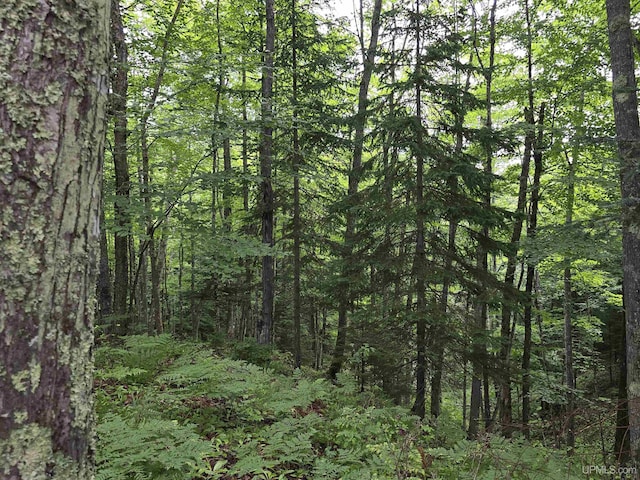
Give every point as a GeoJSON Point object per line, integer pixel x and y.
{"type": "Point", "coordinates": [151, 449]}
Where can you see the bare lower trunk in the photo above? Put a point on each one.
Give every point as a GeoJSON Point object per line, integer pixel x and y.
{"type": "Point", "coordinates": [568, 316]}
{"type": "Point", "coordinates": [104, 273]}
{"type": "Point", "coordinates": [532, 230]}
{"type": "Point", "coordinates": [119, 87]}
{"type": "Point", "coordinates": [419, 254]}
{"type": "Point", "coordinates": [265, 322]}
{"type": "Point", "coordinates": [296, 159]}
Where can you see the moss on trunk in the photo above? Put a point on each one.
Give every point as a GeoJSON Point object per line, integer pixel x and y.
{"type": "Point", "coordinates": [53, 59]}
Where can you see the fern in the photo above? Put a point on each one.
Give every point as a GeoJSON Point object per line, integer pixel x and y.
{"type": "Point", "coordinates": [266, 425]}
{"type": "Point", "coordinates": [152, 449]}
{"type": "Point", "coordinates": [298, 397]}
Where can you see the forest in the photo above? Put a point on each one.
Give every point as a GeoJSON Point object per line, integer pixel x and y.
{"type": "Point", "coordinates": [319, 239]}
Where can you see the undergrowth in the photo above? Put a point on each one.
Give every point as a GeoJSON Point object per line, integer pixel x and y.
{"type": "Point", "coordinates": [171, 410]}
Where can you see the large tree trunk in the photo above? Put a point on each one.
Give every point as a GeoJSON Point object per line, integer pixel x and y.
{"type": "Point", "coordinates": [52, 110]}
{"type": "Point", "coordinates": [625, 108]}
{"type": "Point", "coordinates": [265, 323]}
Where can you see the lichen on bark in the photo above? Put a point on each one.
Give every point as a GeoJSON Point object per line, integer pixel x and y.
{"type": "Point", "coordinates": [53, 75]}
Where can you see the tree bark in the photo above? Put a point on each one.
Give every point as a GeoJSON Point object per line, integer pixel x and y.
{"type": "Point", "coordinates": [53, 59]}
{"type": "Point", "coordinates": [625, 108]}
{"type": "Point", "coordinates": [532, 230]}
{"type": "Point", "coordinates": [118, 101]}
{"type": "Point", "coordinates": [265, 322]}
{"type": "Point", "coordinates": [419, 254]}
{"type": "Point", "coordinates": [621, 443]}
{"type": "Point", "coordinates": [103, 287]}
{"type": "Point", "coordinates": [296, 161]}
{"type": "Point", "coordinates": [569, 377]}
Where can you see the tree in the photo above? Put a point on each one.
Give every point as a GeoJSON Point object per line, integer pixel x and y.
{"type": "Point", "coordinates": [419, 265]}
{"type": "Point", "coordinates": [265, 324]}
{"type": "Point", "coordinates": [479, 348]}
{"type": "Point", "coordinates": [119, 88]}
{"type": "Point", "coordinates": [52, 118]}
{"type": "Point", "coordinates": [625, 109]}
{"type": "Point", "coordinates": [296, 160]}
{"type": "Point", "coordinates": [355, 173]}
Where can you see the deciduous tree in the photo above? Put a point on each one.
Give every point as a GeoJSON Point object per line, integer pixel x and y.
{"type": "Point", "coordinates": [53, 59]}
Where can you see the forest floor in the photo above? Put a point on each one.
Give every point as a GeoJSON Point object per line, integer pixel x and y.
{"type": "Point", "coordinates": [181, 410]}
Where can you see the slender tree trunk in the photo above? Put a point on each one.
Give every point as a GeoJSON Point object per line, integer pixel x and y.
{"type": "Point", "coordinates": [52, 112]}
{"type": "Point", "coordinates": [436, 330]}
{"type": "Point", "coordinates": [104, 273]}
{"type": "Point", "coordinates": [119, 87]}
{"type": "Point", "coordinates": [352, 191]}
{"type": "Point", "coordinates": [475, 403]}
{"type": "Point", "coordinates": [532, 227]}
{"type": "Point", "coordinates": [622, 444]}
{"type": "Point", "coordinates": [625, 108]}
{"type": "Point", "coordinates": [509, 301]}
{"type": "Point", "coordinates": [140, 281]}
{"type": "Point", "coordinates": [157, 261]}
{"type": "Point", "coordinates": [214, 172]}
{"type": "Point", "coordinates": [479, 347]}
{"type": "Point", "coordinates": [296, 160]}
{"type": "Point", "coordinates": [568, 297]}
{"type": "Point", "coordinates": [226, 141]}
{"type": "Point", "coordinates": [150, 242]}
{"type": "Point", "coordinates": [246, 298]}
{"type": "Point", "coordinates": [164, 297]}
{"type": "Point", "coordinates": [568, 356]}
{"type": "Point", "coordinates": [245, 143]}
{"type": "Point", "coordinates": [568, 314]}
{"type": "Point", "coordinates": [180, 280]}
{"type": "Point", "coordinates": [506, 414]}
{"type": "Point", "coordinates": [265, 323]}
{"type": "Point", "coordinates": [419, 255]}
{"type": "Point", "coordinates": [195, 317]}
{"type": "Point", "coordinates": [227, 186]}
{"type": "Point", "coordinates": [436, 379]}
{"type": "Point", "coordinates": [464, 395]}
